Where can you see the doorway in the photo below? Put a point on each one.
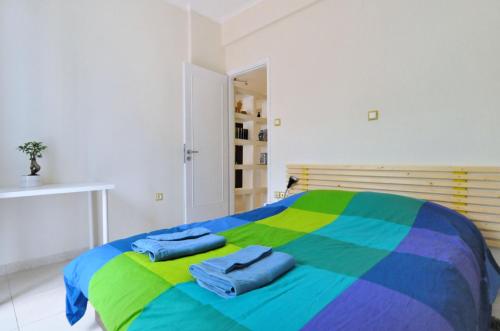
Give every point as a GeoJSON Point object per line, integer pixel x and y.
{"type": "Point", "coordinates": [249, 150]}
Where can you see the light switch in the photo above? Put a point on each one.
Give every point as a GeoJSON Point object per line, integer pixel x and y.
{"type": "Point", "coordinates": [277, 122]}
{"type": "Point", "coordinates": [159, 196]}
{"type": "Point", "coordinates": [373, 115]}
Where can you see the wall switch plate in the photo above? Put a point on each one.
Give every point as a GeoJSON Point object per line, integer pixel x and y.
{"type": "Point", "coordinates": [373, 115]}
{"type": "Point", "coordinates": [159, 196]}
{"type": "Point", "coordinates": [277, 122]}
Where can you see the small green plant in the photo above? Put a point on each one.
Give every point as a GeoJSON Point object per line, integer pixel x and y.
{"type": "Point", "coordinates": [33, 149]}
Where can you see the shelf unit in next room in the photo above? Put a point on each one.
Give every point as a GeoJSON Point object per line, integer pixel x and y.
{"type": "Point", "coordinates": [250, 142]}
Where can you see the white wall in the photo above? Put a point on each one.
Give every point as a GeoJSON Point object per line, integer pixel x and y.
{"type": "Point", "coordinates": [258, 16]}
{"type": "Point", "coordinates": [100, 82]}
{"type": "Point", "coordinates": [431, 67]}
{"type": "Point", "coordinates": [206, 48]}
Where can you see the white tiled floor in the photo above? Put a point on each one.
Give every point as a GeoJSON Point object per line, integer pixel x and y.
{"type": "Point", "coordinates": [35, 300]}
{"type": "Point", "coordinates": [496, 304]}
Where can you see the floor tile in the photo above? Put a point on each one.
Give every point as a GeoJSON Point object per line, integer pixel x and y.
{"type": "Point", "coordinates": [59, 323]}
{"type": "Point", "coordinates": [35, 281]}
{"type": "Point", "coordinates": [34, 307]}
{"type": "Point", "coordinates": [7, 313]}
{"type": "Point", "coordinates": [496, 254]}
{"type": "Point", "coordinates": [496, 307]}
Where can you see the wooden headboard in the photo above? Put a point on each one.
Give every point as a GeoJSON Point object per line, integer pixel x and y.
{"type": "Point", "coordinates": [472, 191]}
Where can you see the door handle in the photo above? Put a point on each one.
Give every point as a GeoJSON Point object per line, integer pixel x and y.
{"type": "Point", "coordinates": [189, 154]}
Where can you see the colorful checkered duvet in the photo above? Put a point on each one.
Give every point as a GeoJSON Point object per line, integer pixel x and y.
{"type": "Point", "coordinates": [365, 261]}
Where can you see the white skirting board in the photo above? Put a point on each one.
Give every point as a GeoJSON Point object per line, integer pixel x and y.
{"type": "Point", "coordinates": [38, 262]}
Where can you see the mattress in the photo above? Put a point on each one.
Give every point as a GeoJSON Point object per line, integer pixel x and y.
{"type": "Point", "coordinates": [365, 261]}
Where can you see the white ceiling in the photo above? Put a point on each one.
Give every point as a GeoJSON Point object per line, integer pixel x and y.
{"type": "Point", "coordinates": [218, 10]}
{"type": "Point", "coordinates": [256, 81]}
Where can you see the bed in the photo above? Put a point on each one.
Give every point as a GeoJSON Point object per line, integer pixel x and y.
{"type": "Point", "coordinates": [365, 261]}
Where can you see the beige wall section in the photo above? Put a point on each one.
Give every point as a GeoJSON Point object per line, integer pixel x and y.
{"type": "Point", "coordinates": [431, 69]}
{"type": "Point", "coordinates": [264, 12]}
{"type": "Point", "coordinates": [101, 83]}
{"type": "Point", "coordinates": [206, 43]}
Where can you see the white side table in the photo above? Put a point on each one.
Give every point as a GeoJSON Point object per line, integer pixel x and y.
{"type": "Point", "coordinates": [10, 193]}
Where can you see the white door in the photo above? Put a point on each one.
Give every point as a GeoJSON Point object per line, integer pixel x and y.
{"type": "Point", "coordinates": [206, 156]}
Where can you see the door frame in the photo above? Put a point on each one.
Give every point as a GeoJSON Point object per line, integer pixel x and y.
{"type": "Point", "coordinates": [183, 150]}
{"type": "Point", "coordinates": [264, 63]}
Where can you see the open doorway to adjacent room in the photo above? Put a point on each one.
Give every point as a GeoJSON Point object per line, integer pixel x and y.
{"type": "Point", "coordinates": [249, 176]}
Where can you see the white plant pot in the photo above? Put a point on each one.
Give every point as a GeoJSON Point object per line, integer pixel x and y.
{"type": "Point", "coordinates": [30, 181]}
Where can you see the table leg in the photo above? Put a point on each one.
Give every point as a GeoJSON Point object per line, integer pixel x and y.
{"type": "Point", "coordinates": [104, 197]}
{"type": "Point", "coordinates": [91, 220]}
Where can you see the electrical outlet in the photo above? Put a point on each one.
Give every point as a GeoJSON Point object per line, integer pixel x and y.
{"type": "Point", "coordinates": [373, 115]}
{"type": "Point", "coordinates": [277, 122]}
{"type": "Point", "coordinates": [159, 196]}
{"type": "Point", "coordinates": [279, 195]}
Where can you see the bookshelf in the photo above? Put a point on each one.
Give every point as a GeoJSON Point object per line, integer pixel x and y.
{"type": "Point", "coordinates": [250, 143]}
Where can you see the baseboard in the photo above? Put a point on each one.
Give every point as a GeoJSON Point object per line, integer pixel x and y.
{"type": "Point", "coordinates": [38, 262]}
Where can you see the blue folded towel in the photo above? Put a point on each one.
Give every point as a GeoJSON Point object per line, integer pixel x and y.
{"type": "Point", "coordinates": [168, 250]}
{"type": "Point", "coordinates": [240, 259]}
{"type": "Point", "coordinates": [239, 281]}
{"type": "Point", "coordinates": [181, 235]}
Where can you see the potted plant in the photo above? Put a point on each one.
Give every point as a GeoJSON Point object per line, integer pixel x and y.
{"type": "Point", "coordinates": [32, 149]}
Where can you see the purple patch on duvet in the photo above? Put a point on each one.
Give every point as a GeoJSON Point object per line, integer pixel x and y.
{"type": "Point", "coordinates": [450, 249]}
{"type": "Point", "coordinates": [369, 306]}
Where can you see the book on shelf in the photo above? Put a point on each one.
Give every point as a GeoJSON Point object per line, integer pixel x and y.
{"type": "Point", "coordinates": [263, 158]}
{"type": "Point", "coordinates": [238, 154]}
{"type": "Point", "coordinates": [238, 179]}
{"type": "Point", "coordinates": [262, 135]}
{"type": "Point", "coordinates": [240, 132]}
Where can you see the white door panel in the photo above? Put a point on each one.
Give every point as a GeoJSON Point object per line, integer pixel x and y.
{"type": "Point", "coordinates": [206, 143]}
